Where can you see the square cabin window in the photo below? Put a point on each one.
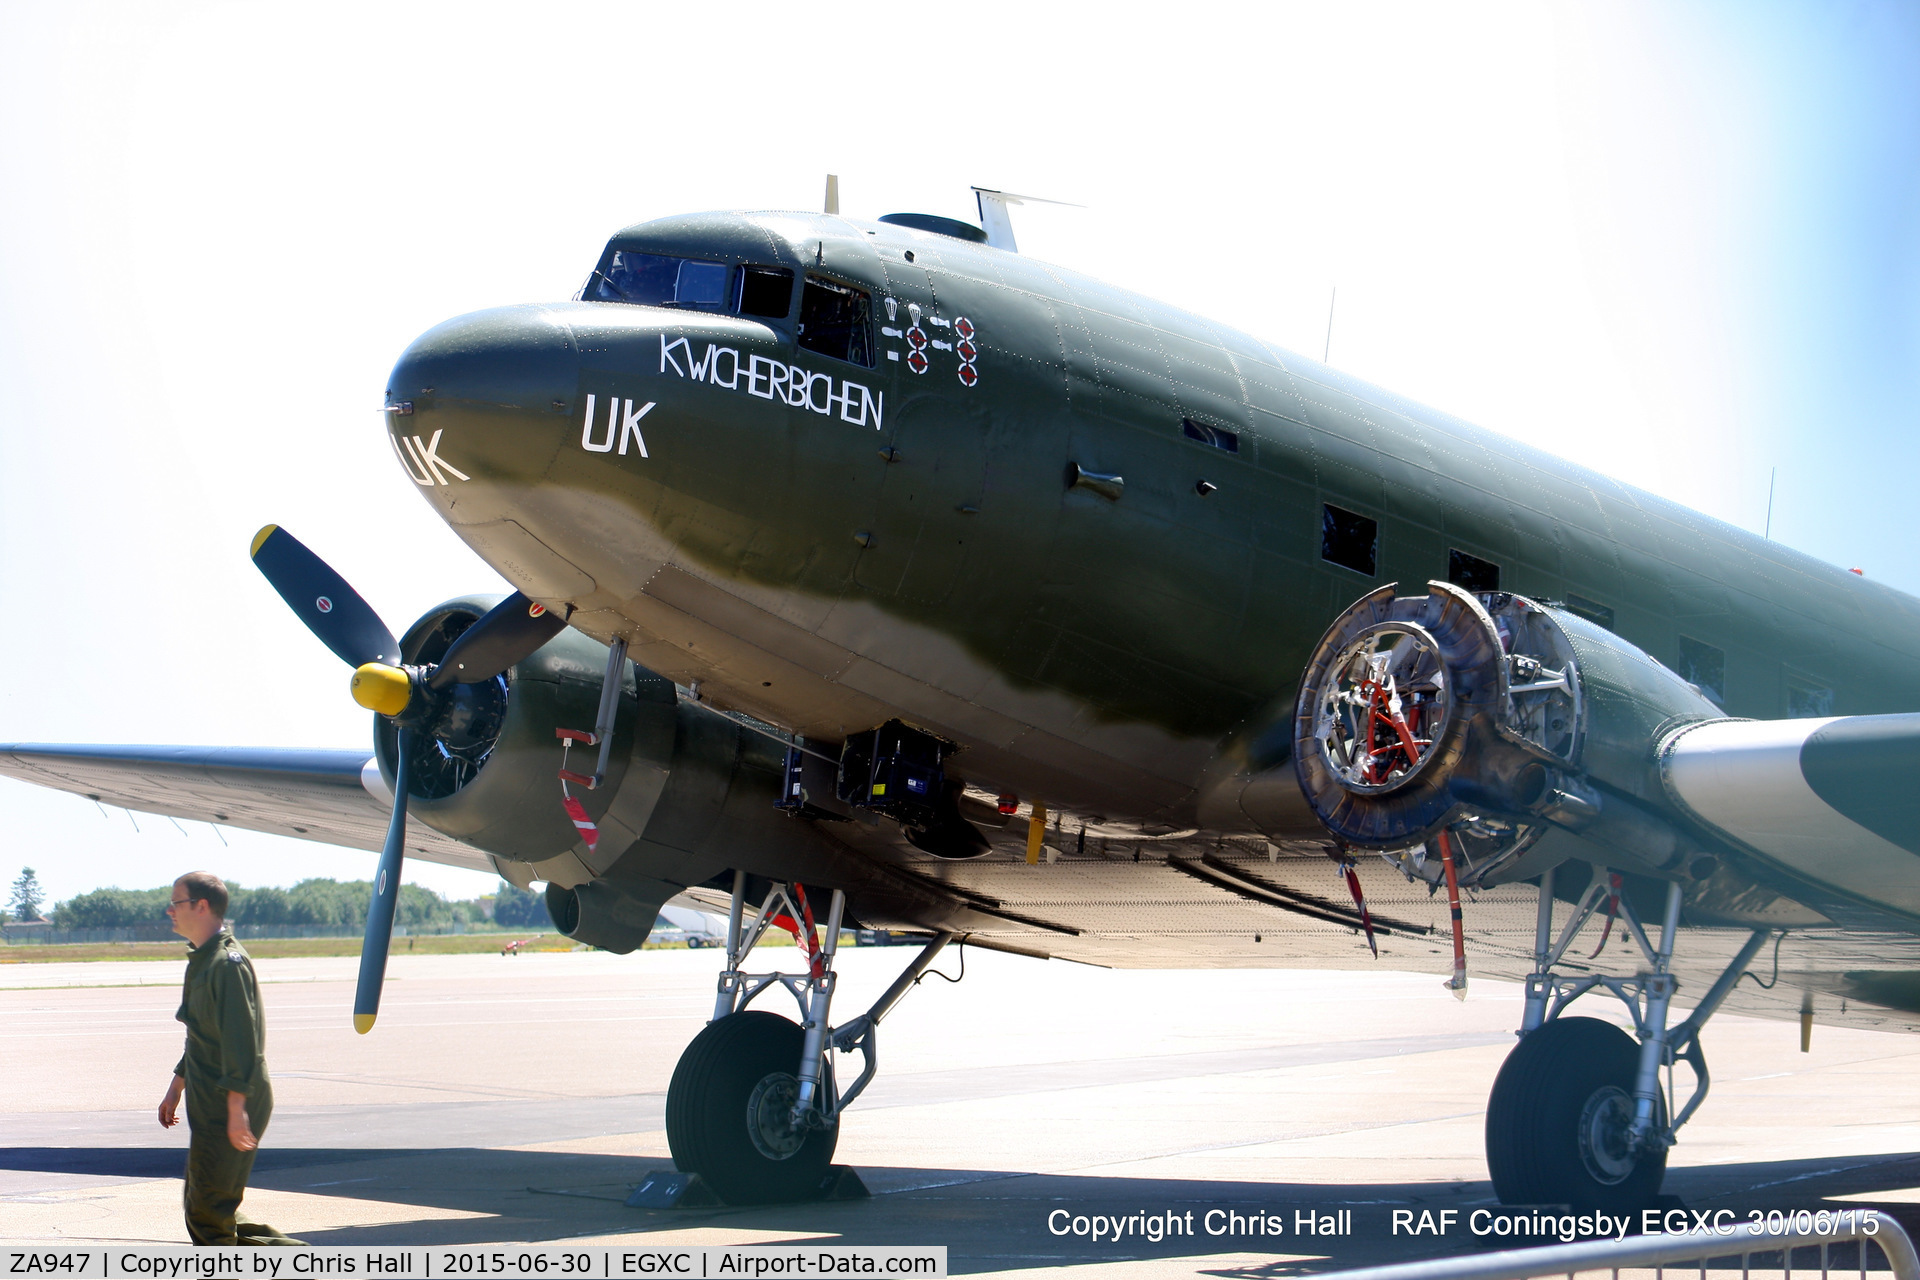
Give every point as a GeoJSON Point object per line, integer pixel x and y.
{"type": "Point", "coordinates": [1703, 665]}
{"type": "Point", "coordinates": [1348, 538]}
{"type": "Point", "coordinates": [1470, 572]}
{"type": "Point", "coordinates": [837, 320]}
{"type": "Point", "coordinates": [1808, 701]}
{"type": "Point", "coordinates": [1219, 437]}
{"type": "Point", "coordinates": [1598, 614]}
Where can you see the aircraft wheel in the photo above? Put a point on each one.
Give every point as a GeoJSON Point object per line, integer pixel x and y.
{"type": "Point", "coordinates": [728, 1108]}
{"type": "Point", "coordinates": [1557, 1121]}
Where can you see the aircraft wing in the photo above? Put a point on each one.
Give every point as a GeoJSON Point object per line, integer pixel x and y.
{"type": "Point", "coordinates": [311, 795]}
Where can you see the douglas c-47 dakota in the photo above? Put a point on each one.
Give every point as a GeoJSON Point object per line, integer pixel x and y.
{"type": "Point", "coordinates": [870, 574]}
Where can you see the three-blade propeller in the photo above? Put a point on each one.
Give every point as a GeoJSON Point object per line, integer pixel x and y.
{"type": "Point", "coordinates": [510, 632]}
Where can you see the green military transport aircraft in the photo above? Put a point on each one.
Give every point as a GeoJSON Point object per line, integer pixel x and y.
{"type": "Point", "coordinates": [873, 574]}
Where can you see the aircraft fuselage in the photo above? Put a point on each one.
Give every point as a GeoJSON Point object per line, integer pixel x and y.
{"type": "Point", "coordinates": [829, 542]}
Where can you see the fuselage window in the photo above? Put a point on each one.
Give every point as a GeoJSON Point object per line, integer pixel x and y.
{"type": "Point", "coordinates": [1599, 615]}
{"type": "Point", "coordinates": [1218, 437]}
{"type": "Point", "coordinates": [837, 320]}
{"type": "Point", "coordinates": [656, 280]}
{"type": "Point", "coordinates": [1471, 573]}
{"type": "Point", "coordinates": [1348, 539]}
{"type": "Point", "coordinates": [1806, 701]}
{"type": "Point", "coordinates": [1703, 665]}
{"type": "Point", "coordinates": [765, 291]}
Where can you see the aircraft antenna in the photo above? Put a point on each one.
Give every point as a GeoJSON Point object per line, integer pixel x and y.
{"type": "Point", "coordinates": [996, 222]}
{"type": "Point", "coordinates": [1772, 475]}
{"type": "Point", "coordinates": [1327, 349]}
{"type": "Point", "coordinates": [833, 193]}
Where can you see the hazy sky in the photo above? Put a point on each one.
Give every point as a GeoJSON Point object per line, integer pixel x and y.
{"type": "Point", "coordinates": [1679, 243]}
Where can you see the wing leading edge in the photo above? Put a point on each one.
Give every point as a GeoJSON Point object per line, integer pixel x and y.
{"type": "Point", "coordinates": [310, 795]}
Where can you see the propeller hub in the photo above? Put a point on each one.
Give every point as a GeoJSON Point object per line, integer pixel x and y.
{"type": "Point", "coordinates": [379, 687]}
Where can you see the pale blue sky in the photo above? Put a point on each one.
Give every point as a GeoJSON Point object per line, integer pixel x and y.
{"type": "Point", "coordinates": [1676, 242]}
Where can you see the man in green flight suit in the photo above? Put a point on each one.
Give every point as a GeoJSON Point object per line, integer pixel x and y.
{"type": "Point", "coordinates": [224, 1071]}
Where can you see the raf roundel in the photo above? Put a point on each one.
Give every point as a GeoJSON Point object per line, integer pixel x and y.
{"type": "Point", "coordinates": [323, 604]}
{"type": "Point", "coordinates": [963, 327]}
{"type": "Point", "coordinates": [917, 361]}
{"type": "Point", "coordinates": [967, 376]}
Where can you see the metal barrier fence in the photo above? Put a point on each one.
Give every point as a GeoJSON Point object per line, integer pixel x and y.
{"type": "Point", "coordinates": [42, 935]}
{"type": "Point", "coordinates": [1749, 1249]}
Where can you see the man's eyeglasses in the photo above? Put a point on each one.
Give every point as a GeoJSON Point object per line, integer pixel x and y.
{"type": "Point", "coordinates": [178, 902]}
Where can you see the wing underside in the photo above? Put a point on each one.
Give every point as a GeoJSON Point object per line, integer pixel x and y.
{"type": "Point", "coordinates": [310, 795]}
{"type": "Point", "coordinates": [1190, 903]}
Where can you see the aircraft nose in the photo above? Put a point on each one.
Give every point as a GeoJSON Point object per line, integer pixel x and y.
{"type": "Point", "coordinates": [483, 386]}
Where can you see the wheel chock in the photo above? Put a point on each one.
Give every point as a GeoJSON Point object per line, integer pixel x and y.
{"type": "Point", "coordinates": [670, 1189]}
{"type": "Point", "coordinates": [842, 1183]}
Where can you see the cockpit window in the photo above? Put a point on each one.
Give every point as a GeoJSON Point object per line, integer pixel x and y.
{"type": "Point", "coordinates": [765, 291]}
{"type": "Point", "coordinates": [837, 321]}
{"type": "Point", "coordinates": [656, 280]}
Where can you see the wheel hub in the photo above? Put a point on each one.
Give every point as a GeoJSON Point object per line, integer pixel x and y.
{"type": "Point", "coordinates": [1604, 1126]}
{"type": "Point", "coordinates": [770, 1116]}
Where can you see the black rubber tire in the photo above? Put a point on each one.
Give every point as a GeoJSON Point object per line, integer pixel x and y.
{"type": "Point", "coordinates": [1535, 1114]}
{"type": "Point", "coordinates": [707, 1112]}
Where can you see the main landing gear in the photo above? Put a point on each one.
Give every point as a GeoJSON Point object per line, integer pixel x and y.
{"type": "Point", "coordinates": [754, 1106]}
{"type": "Point", "coordinates": [1579, 1115]}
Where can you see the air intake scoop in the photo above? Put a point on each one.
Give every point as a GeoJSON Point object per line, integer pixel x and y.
{"type": "Point", "coordinates": [938, 225]}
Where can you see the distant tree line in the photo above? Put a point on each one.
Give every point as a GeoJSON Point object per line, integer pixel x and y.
{"type": "Point", "coordinates": [520, 909]}
{"type": "Point", "coordinates": [311, 902]}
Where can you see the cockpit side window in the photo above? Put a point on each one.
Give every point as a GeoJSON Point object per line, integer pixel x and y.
{"type": "Point", "coordinates": [765, 292]}
{"type": "Point", "coordinates": [837, 320]}
{"type": "Point", "coordinates": [656, 280]}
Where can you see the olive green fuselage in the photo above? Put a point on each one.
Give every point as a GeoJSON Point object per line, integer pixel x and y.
{"type": "Point", "coordinates": [828, 544]}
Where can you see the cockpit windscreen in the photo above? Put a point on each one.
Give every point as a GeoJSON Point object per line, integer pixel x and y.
{"type": "Point", "coordinates": [656, 280]}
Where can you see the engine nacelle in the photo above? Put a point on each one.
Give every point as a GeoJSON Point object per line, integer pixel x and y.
{"type": "Point", "coordinates": [486, 770]}
{"type": "Point", "coordinates": [687, 795]}
{"type": "Point", "coordinates": [1492, 716]}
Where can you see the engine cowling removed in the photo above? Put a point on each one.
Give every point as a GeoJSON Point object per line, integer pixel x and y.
{"type": "Point", "coordinates": [1493, 716]}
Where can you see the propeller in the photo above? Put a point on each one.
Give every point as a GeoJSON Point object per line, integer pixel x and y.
{"type": "Point", "coordinates": [409, 696]}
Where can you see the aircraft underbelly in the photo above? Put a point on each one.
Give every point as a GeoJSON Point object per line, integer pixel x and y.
{"type": "Point", "coordinates": [826, 665]}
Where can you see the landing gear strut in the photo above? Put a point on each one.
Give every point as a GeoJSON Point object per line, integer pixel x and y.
{"type": "Point", "coordinates": [1578, 1114]}
{"type": "Point", "coordinates": [754, 1106]}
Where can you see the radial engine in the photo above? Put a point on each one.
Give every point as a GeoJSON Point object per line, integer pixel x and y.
{"type": "Point", "coordinates": [1494, 717]}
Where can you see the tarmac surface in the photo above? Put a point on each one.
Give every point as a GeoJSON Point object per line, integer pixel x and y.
{"type": "Point", "coordinates": [518, 1099]}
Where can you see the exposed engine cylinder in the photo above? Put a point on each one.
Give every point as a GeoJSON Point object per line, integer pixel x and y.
{"type": "Point", "coordinates": [1493, 716]}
